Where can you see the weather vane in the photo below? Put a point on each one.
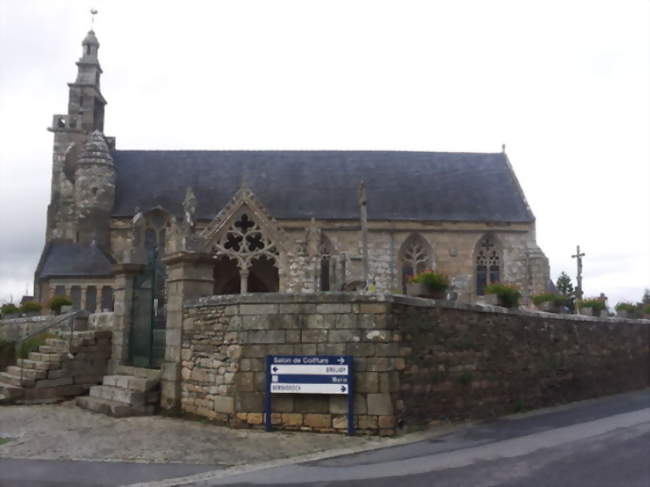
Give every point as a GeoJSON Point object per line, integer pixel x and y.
{"type": "Point", "coordinates": [93, 12]}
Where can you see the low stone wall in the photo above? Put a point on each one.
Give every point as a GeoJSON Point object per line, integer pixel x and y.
{"type": "Point", "coordinates": [14, 329]}
{"type": "Point", "coordinates": [415, 360]}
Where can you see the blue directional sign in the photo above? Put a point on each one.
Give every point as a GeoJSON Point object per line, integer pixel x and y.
{"type": "Point", "coordinates": [309, 374]}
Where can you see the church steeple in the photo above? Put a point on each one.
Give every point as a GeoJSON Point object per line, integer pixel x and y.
{"type": "Point", "coordinates": [85, 115]}
{"type": "Point", "coordinates": [85, 100]}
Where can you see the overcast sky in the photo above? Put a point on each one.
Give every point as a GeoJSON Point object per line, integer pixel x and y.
{"type": "Point", "coordinates": [564, 84]}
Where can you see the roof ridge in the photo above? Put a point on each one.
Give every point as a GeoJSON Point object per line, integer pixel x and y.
{"type": "Point", "coordinates": [378, 151]}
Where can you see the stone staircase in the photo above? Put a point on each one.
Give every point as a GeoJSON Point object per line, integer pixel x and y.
{"type": "Point", "coordinates": [59, 370]}
{"type": "Point", "coordinates": [131, 391]}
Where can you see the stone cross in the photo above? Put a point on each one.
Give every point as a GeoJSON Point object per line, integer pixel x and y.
{"type": "Point", "coordinates": [189, 208]}
{"type": "Point", "coordinates": [363, 209]}
{"type": "Point", "coordinates": [93, 12]}
{"type": "Point", "coordinates": [579, 256]}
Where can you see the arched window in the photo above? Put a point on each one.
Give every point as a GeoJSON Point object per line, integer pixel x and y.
{"type": "Point", "coordinates": [326, 251]}
{"type": "Point", "coordinates": [151, 230]}
{"type": "Point", "coordinates": [488, 264]}
{"type": "Point", "coordinates": [254, 253]}
{"type": "Point", "coordinates": [415, 256]}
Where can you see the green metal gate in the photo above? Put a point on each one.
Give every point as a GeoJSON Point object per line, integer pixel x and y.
{"type": "Point", "coordinates": [148, 315]}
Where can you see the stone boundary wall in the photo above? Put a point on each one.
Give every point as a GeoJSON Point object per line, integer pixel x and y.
{"type": "Point", "coordinates": [416, 360]}
{"type": "Point", "coordinates": [467, 362]}
{"type": "Point", "coordinates": [14, 329]}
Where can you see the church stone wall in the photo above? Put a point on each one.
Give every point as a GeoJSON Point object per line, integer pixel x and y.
{"type": "Point", "coordinates": [453, 248]}
{"type": "Point", "coordinates": [415, 360]}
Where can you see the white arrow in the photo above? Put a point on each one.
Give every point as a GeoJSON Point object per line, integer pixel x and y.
{"type": "Point", "coordinates": [341, 360]}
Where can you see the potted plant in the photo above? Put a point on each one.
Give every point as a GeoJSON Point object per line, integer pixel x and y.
{"type": "Point", "coordinates": [550, 302]}
{"type": "Point", "coordinates": [625, 309]}
{"type": "Point", "coordinates": [507, 294]}
{"type": "Point", "coordinates": [428, 284]}
{"type": "Point", "coordinates": [592, 306]}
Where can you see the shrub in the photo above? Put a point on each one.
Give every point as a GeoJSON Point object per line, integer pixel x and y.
{"type": "Point", "coordinates": [57, 302]}
{"type": "Point", "coordinates": [30, 307]}
{"type": "Point", "coordinates": [556, 299]}
{"type": "Point", "coordinates": [596, 304]}
{"type": "Point", "coordinates": [8, 309]}
{"type": "Point", "coordinates": [434, 281]}
{"type": "Point", "coordinates": [508, 294]}
{"type": "Point", "coordinates": [646, 309]}
{"type": "Point", "coordinates": [626, 306]}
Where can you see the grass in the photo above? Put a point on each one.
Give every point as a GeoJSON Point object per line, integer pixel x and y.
{"type": "Point", "coordinates": [4, 440]}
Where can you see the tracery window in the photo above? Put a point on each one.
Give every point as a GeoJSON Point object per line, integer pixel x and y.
{"type": "Point", "coordinates": [415, 257]}
{"type": "Point", "coordinates": [488, 264]}
{"type": "Point", "coordinates": [246, 243]}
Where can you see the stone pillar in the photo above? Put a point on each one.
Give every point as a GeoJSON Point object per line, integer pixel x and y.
{"type": "Point", "coordinates": [82, 299]}
{"type": "Point", "coordinates": [189, 275]}
{"type": "Point", "coordinates": [123, 297]}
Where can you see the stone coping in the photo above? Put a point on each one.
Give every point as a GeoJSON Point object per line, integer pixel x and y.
{"type": "Point", "coordinates": [26, 319]}
{"type": "Point", "coordinates": [355, 297]}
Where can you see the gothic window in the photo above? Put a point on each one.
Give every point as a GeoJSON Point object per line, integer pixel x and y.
{"type": "Point", "coordinates": [325, 251]}
{"type": "Point", "coordinates": [415, 257]}
{"type": "Point", "coordinates": [488, 264]}
{"type": "Point", "coordinates": [155, 224]}
{"type": "Point", "coordinates": [254, 252]}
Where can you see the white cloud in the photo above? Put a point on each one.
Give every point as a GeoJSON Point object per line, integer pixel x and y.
{"type": "Point", "coordinates": [564, 84]}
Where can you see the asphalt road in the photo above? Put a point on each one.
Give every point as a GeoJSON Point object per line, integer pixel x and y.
{"type": "Point", "coordinates": [598, 443]}
{"type": "Point", "coordinates": [601, 443]}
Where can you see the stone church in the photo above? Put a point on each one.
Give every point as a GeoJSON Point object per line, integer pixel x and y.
{"type": "Point", "coordinates": [275, 221]}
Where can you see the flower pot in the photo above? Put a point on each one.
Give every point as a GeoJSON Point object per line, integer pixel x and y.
{"type": "Point", "coordinates": [587, 311]}
{"type": "Point", "coordinates": [420, 290]}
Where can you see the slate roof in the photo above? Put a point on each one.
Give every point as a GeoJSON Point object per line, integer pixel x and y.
{"type": "Point", "coordinates": [428, 186]}
{"type": "Point", "coordinates": [68, 259]}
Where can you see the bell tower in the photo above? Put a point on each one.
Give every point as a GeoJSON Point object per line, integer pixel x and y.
{"type": "Point", "coordinates": [85, 115]}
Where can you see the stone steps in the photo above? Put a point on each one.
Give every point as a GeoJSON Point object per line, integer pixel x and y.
{"type": "Point", "coordinates": [130, 382]}
{"type": "Point", "coordinates": [31, 374]}
{"type": "Point", "coordinates": [138, 372]}
{"type": "Point", "coordinates": [132, 391]}
{"type": "Point", "coordinates": [15, 381]}
{"type": "Point", "coordinates": [51, 374]}
{"type": "Point", "coordinates": [9, 392]}
{"type": "Point", "coordinates": [33, 364]}
{"type": "Point", "coordinates": [45, 357]}
{"type": "Point", "coordinates": [114, 408]}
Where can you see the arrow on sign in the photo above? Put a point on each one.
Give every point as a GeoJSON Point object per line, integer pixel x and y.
{"type": "Point", "coordinates": [275, 369]}
{"type": "Point", "coordinates": [343, 389]}
{"type": "Point", "coordinates": [341, 360]}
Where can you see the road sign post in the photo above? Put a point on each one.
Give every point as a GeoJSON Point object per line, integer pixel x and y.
{"type": "Point", "coordinates": [309, 374]}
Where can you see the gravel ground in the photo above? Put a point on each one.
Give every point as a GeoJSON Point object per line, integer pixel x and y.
{"type": "Point", "coordinates": [65, 432]}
